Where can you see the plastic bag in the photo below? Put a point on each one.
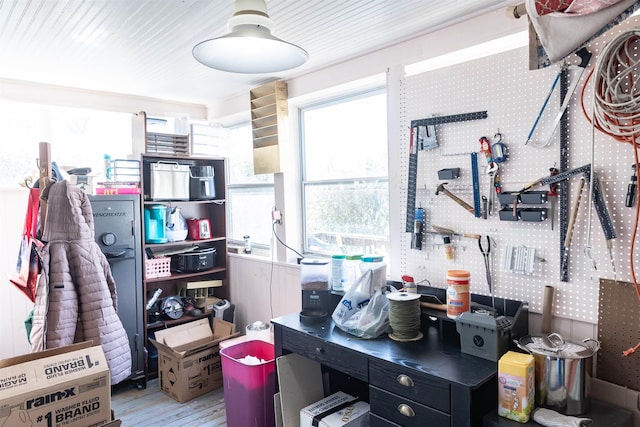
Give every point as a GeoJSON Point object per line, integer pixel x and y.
{"type": "Point", "coordinates": [28, 264]}
{"type": "Point", "coordinates": [363, 311]}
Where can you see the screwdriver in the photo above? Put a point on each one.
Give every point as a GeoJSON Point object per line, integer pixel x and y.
{"type": "Point", "coordinates": [552, 195]}
{"type": "Point", "coordinates": [631, 188]}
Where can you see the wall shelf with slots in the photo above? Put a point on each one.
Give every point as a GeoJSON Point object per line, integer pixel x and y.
{"type": "Point", "coordinates": [269, 112]}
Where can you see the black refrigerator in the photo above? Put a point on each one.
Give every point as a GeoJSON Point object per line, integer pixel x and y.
{"type": "Point", "coordinates": [117, 227]}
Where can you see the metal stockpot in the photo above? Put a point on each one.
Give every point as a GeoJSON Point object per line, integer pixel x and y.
{"type": "Point", "coordinates": [563, 372]}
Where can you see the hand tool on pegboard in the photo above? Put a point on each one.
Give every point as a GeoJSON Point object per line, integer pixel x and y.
{"type": "Point", "coordinates": [476, 185]}
{"type": "Point", "coordinates": [429, 123]}
{"type": "Point", "coordinates": [631, 188]}
{"type": "Point", "coordinates": [412, 179]}
{"type": "Point", "coordinates": [598, 202]}
{"type": "Point", "coordinates": [552, 196]}
{"type": "Point", "coordinates": [455, 198]}
{"type": "Point", "coordinates": [493, 170]}
{"type": "Point", "coordinates": [585, 56]}
{"type": "Point", "coordinates": [418, 229]}
{"type": "Point", "coordinates": [486, 253]}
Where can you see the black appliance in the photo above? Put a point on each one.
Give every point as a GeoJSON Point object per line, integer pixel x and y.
{"type": "Point", "coordinates": [117, 230]}
{"type": "Point", "coordinates": [194, 261]}
{"type": "Point", "coordinates": [201, 183]}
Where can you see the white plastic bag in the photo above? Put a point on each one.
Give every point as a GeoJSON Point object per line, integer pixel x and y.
{"type": "Point", "coordinates": [363, 311]}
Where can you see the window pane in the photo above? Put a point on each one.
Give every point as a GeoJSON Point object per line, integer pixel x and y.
{"type": "Point", "coordinates": [346, 139]}
{"type": "Point", "coordinates": [241, 158]}
{"type": "Point", "coordinates": [348, 218]}
{"type": "Point", "coordinates": [78, 138]}
{"type": "Point", "coordinates": [250, 213]}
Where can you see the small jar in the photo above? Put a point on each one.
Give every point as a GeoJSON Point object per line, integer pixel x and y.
{"type": "Point", "coordinates": [337, 272]}
{"type": "Point", "coordinates": [458, 296]}
{"type": "Point", "coordinates": [247, 244]}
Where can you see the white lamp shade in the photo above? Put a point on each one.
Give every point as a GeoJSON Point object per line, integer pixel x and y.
{"type": "Point", "coordinates": [250, 51]}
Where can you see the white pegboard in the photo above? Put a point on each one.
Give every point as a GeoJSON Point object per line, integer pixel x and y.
{"type": "Point", "coordinates": [512, 96]}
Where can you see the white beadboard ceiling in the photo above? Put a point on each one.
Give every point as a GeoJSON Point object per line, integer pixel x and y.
{"type": "Point", "coordinates": [143, 47]}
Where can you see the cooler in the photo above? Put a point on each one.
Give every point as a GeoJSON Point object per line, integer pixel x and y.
{"type": "Point", "coordinates": [249, 389]}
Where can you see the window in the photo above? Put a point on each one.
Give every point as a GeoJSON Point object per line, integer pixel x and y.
{"type": "Point", "coordinates": [345, 175]}
{"type": "Point", "coordinates": [78, 137]}
{"type": "Point", "coordinates": [250, 197]}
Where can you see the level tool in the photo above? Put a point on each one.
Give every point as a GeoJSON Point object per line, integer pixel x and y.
{"type": "Point", "coordinates": [413, 176]}
{"type": "Point", "coordinates": [476, 185]}
{"type": "Point", "coordinates": [413, 156]}
{"type": "Point", "coordinates": [563, 186]}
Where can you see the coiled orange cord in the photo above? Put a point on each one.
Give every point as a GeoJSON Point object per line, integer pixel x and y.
{"type": "Point", "coordinates": [616, 109]}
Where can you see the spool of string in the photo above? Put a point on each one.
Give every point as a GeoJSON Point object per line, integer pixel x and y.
{"type": "Point", "coordinates": [404, 316]}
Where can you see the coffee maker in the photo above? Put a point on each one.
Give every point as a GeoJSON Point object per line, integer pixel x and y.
{"type": "Point", "coordinates": [316, 290]}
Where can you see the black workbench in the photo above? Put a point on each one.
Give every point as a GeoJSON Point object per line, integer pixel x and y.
{"type": "Point", "coordinates": [426, 382]}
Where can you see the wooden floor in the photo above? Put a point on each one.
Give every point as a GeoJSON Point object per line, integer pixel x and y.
{"type": "Point", "coordinates": [150, 407]}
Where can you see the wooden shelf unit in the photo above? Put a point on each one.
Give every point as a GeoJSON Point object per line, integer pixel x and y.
{"type": "Point", "coordinates": [212, 209]}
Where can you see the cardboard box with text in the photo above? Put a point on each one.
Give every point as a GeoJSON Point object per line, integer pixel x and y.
{"type": "Point", "coordinates": [189, 357]}
{"type": "Point", "coordinates": [67, 386]}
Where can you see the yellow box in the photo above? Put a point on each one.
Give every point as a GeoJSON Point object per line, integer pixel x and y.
{"type": "Point", "coordinates": [516, 386]}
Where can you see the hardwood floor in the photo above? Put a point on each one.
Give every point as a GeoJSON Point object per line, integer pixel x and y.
{"type": "Point", "coordinates": [150, 407]}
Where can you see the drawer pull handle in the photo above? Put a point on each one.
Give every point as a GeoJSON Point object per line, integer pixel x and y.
{"type": "Point", "coordinates": [406, 410]}
{"type": "Point", "coordinates": [405, 380]}
{"type": "Point", "coordinates": [319, 350]}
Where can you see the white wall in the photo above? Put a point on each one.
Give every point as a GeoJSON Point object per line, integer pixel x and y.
{"type": "Point", "coordinates": [262, 289]}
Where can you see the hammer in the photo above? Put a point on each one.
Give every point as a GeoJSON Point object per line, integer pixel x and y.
{"type": "Point", "coordinates": [455, 198]}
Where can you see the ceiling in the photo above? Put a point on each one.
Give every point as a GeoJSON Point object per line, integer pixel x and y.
{"type": "Point", "coordinates": [143, 47]}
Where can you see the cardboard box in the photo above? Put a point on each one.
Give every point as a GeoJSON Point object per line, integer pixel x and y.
{"type": "Point", "coordinates": [65, 386]}
{"type": "Point", "coordinates": [189, 357]}
{"type": "Point", "coordinates": [516, 386]}
{"type": "Point", "coordinates": [338, 410]}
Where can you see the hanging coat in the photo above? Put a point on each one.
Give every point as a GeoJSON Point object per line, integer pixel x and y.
{"type": "Point", "coordinates": [76, 295]}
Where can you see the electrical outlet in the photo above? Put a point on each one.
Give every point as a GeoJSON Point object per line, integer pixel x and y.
{"type": "Point", "coordinates": [276, 216]}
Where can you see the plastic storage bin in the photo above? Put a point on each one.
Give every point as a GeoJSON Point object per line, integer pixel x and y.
{"type": "Point", "coordinates": [249, 389]}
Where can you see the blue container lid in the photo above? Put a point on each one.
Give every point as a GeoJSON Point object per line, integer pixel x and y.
{"type": "Point", "coordinates": [372, 258]}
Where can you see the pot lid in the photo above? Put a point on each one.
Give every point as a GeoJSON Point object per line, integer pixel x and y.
{"type": "Point", "coordinates": [554, 345]}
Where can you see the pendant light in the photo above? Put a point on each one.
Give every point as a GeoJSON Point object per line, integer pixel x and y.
{"type": "Point", "coordinates": [249, 48]}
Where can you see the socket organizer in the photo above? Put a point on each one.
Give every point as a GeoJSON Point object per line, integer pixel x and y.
{"type": "Point", "coordinates": [529, 214]}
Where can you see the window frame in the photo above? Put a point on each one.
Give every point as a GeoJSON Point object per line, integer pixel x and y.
{"type": "Point", "coordinates": [243, 186]}
{"type": "Point", "coordinates": [304, 182]}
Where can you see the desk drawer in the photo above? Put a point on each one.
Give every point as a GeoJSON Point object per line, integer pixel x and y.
{"type": "Point", "coordinates": [403, 411]}
{"type": "Point", "coordinates": [337, 357]}
{"type": "Point", "coordinates": [411, 384]}
{"type": "Point", "coordinates": [376, 421]}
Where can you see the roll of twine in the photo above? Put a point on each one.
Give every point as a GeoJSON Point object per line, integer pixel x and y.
{"type": "Point", "coordinates": [404, 318]}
